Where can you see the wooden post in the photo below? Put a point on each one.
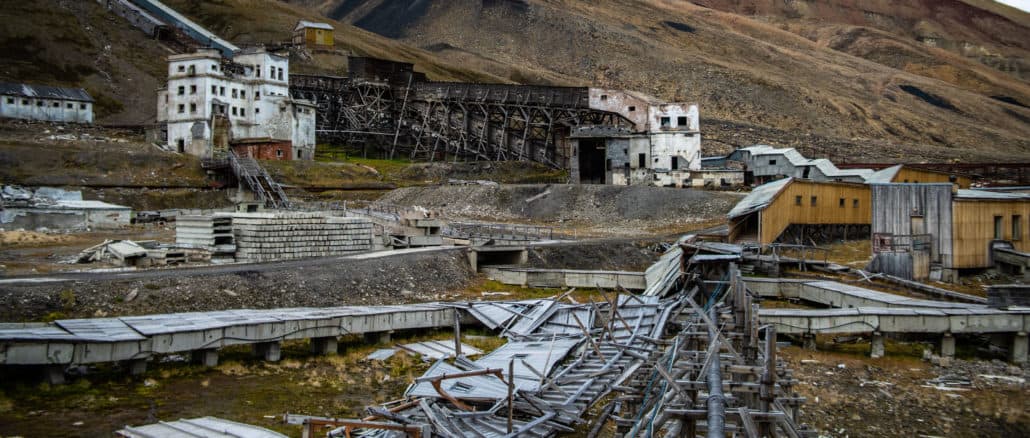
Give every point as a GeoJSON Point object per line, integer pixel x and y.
{"type": "Point", "coordinates": [511, 393]}
{"type": "Point", "coordinates": [457, 333]}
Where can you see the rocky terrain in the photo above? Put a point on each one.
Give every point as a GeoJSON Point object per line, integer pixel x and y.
{"type": "Point", "coordinates": [625, 210]}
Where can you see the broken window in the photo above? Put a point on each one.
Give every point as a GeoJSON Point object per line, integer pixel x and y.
{"type": "Point", "coordinates": [56, 104]}
{"type": "Point", "coordinates": [998, 232]}
{"type": "Point", "coordinates": [243, 112]}
{"type": "Point", "coordinates": [182, 68]}
{"type": "Point", "coordinates": [681, 121]}
{"type": "Point", "coordinates": [243, 94]}
{"type": "Point", "coordinates": [234, 111]}
{"type": "Point", "coordinates": [83, 106]}
{"type": "Point", "coordinates": [39, 103]}
{"type": "Point", "coordinates": [772, 162]}
{"type": "Point", "coordinates": [193, 89]}
{"type": "Point", "coordinates": [24, 101]}
{"type": "Point", "coordinates": [182, 90]}
{"type": "Point", "coordinates": [214, 67]}
{"type": "Point", "coordinates": [182, 108]}
{"type": "Point", "coordinates": [271, 72]}
{"type": "Point", "coordinates": [813, 201]}
{"type": "Point", "coordinates": [632, 108]}
{"type": "Point", "coordinates": [257, 71]}
{"type": "Point", "coordinates": [1017, 227]}
{"type": "Point", "coordinates": [604, 97]}
{"type": "Point", "coordinates": [257, 95]}
{"type": "Point", "coordinates": [193, 108]}
{"type": "Point", "coordinates": [10, 100]}
{"type": "Point", "coordinates": [214, 89]}
{"type": "Point", "coordinates": [70, 106]}
{"type": "Point", "coordinates": [280, 74]}
{"type": "Point", "coordinates": [234, 93]}
{"type": "Point", "coordinates": [279, 153]}
{"type": "Point", "coordinates": [257, 110]}
{"type": "Point", "coordinates": [666, 122]}
{"type": "Point", "coordinates": [221, 91]}
{"type": "Point", "coordinates": [797, 200]}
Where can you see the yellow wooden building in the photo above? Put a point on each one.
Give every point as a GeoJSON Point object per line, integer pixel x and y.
{"type": "Point", "coordinates": [904, 173]}
{"type": "Point", "coordinates": [769, 210]}
{"type": "Point", "coordinates": [313, 35]}
{"type": "Point", "coordinates": [980, 218]}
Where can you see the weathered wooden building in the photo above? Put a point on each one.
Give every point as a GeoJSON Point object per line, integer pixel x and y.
{"type": "Point", "coordinates": [936, 230]}
{"type": "Point", "coordinates": [763, 164]}
{"type": "Point", "coordinates": [313, 35]}
{"type": "Point", "coordinates": [801, 211]}
{"type": "Point", "coordinates": [904, 173]}
{"type": "Point", "coordinates": [48, 104]}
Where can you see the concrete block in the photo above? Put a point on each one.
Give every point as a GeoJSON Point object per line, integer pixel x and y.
{"type": "Point", "coordinates": [876, 345]}
{"type": "Point", "coordinates": [207, 357]}
{"type": "Point", "coordinates": [270, 351]}
{"type": "Point", "coordinates": [137, 367]}
{"type": "Point", "coordinates": [54, 374]}
{"type": "Point", "coordinates": [948, 345]}
{"type": "Point", "coordinates": [377, 337]}
{"type": "Point", "coordinates": [325, 345]}
{"type": "Point", "coordinates": [1018, 350]}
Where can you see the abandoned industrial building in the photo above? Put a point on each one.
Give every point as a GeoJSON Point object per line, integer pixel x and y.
{"type": "Point", "coordinates": [466, 259]}
{"type": "Point", "coordinates": [45, 103]}
{"type": "Point", "coordinates": [212, 105]}
{"type": "Point", "coordinates": [601, 136]}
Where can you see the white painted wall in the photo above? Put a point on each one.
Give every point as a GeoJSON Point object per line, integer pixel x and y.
{"type": "Point", "coordinates": [49, 110]}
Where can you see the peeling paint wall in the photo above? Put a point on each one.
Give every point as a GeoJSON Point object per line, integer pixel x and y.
{"type": "Point", "coordinates": [50, 110]}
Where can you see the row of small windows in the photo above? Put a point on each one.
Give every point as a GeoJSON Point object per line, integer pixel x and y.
{"type": "Point", "coordinates": [236, 111]}
{"type": "Point", "coordinates": [1017, 227]}
{"type": "Point", "coordinates": [25, 102]}
{"type": "Point", "coordinates": [220, 91]}
{"type": "Point", "coordinates": [273, 72]}
{"type": "Point", "coordinates": [814, 201]}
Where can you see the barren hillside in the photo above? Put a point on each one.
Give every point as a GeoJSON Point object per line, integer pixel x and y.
{"type": "Point", "coordinates": [839, 73]}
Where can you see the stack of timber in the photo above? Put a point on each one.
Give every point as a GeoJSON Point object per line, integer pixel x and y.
{"type": "Point", "coordinates": [276, 236]}
{"type": "Point", "coordinates": [212, 232]}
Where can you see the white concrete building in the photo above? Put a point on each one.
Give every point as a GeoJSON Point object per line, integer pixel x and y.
{"type": "Point", "coordinates": [662, 148]}
{"type": "Point", "coordinates": [50, 104]}
{"type": "Point", "coordinates": [211, 104]}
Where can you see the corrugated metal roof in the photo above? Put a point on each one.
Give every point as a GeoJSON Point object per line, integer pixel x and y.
{"type": "Point", "coordinates": [476, 387]}
{"type": "Point", "coordinates": [983, 194]}
{"type": "Point", "coordinates": [44, 92]}
{"type": "Point", "coordinates": [759, 198]}
{"type": "Point", "coordinates": [311, 24]}
{"type": "Point", "coordinates": [884, 176]}
{"type": "Point", "coordinates": [203, 427]}
{"type": "Point", "coordinates": [441, 349]}
{"type": "Point", "coordinates": [542, 356]}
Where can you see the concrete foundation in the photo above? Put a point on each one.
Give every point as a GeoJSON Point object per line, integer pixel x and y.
{"type": "Point", "coordinates": [1018, 350]}
{"type": "Point", "coordinates": [378, 337]}
{"type": "Point", "coordinates": [270, 351]}
{"type": "Point", "coordinates": [54, 374]}
{"type": "Point", "coordinates": [876, 346]}
{"type": "Point", "coordinates": [137, 367]}
{"type": "Point", "coordinates": [948, 345]}
{"type": "Point", "coordinates": [323, 345]}
{"type": "Point", "coordinates": [808, 341]}
{"type": "Point", "coordinates": [208, 358]}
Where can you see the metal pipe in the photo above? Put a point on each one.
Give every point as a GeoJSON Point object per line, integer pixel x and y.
{"type": "Point", "coordinates": [716, 401]}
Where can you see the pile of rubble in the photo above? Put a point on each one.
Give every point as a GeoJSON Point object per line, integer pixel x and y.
{"type": "Point", "coordinates": [142, 254]}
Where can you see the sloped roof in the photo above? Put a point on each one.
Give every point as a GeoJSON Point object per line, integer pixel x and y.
{"type": "Point", "coordinates": [302, 24]}
{"type": "Point", "coordinates": [990, 195]}
{"type": "Point", "coordinates": [797, 160]}
{"type": "Point", "coordinates": [44, 92]}
{"type": "Point", "coordinates": [884, 176]}
{"type": "Point", "coordinates": [759, 198]}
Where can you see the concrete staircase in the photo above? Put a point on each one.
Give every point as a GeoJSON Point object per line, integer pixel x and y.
{"type": "Point", "coordinates": [248, 172]}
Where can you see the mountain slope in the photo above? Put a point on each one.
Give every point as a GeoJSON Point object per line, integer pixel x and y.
{"type": "Point", "coordinates": [79, 44]}
{"type": "Point", "coordinates": [840, 83]}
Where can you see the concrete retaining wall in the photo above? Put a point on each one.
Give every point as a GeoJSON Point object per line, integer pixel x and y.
{"type": "Point", "coordinates": [559, 278]}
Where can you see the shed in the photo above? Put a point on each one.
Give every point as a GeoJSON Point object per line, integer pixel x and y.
{"type": "Point", "coordinates": [313, 35]}
{"type": "Point", "coordinates": [773, 209]}
{"type": "Point", "coordinates": [45, 103]}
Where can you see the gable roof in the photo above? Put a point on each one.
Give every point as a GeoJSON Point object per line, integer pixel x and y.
{"type": "Point", "coordinates": [303, 24]}
{"type": "Point", "coordinates": [44, 92]}
{"type": "Point", "coordinates": [884, 176]}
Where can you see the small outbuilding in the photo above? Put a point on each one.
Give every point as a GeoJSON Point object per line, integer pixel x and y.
{"type": "Point", "coordinates": [313, 35]}
{"type": "Point", "coordinates": [45, 103]}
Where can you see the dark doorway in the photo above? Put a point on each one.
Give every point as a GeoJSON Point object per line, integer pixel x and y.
{"type": "Point", "coordinates": [591, 161]}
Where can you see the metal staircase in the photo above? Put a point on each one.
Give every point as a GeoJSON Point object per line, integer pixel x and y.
{"type": "Point", "coordinates": [249, 172]}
